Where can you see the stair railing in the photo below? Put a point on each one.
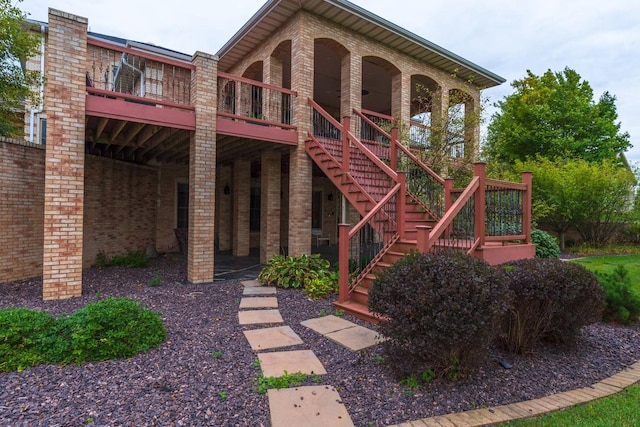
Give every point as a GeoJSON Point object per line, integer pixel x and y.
{"type": "Point", "coordinates": [425, 186]}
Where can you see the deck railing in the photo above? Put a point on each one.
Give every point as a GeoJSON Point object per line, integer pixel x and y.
{"type": "Point", "coordinates": [255, 102]}
{"type": "Point", "coordinates": [115, 71]}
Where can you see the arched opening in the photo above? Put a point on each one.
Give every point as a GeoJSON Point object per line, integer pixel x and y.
{"type": "Point", "coordinates": [327, 74]}
{"type": "Point", "coordinates": [425, 101]}
{"type": "Point", "coordinates": [377, 77]}
{"type": "Point", "coordinates": [252, 95]}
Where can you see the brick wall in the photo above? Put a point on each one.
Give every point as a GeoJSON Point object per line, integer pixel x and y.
{"type": "Point", "coordinates": [119, 208]}
{"type": "Point", "coordinates": [168, 178]}
{"type": "Point", "coordinates": [21, 209]}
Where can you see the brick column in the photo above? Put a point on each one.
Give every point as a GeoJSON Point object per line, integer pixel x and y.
{"type": "Point", "coordinates": [300, 177]}
{"type": "Point", "coordinates": [64, 95]}
{"type": "Point", "coordinates": [241, 193]}
{"type": "Point", "coordinates": [269, 206]}
{"type": "Point", "coordinates": [401, 97]}
{"type": "Point", "coordinates": [202, 169]}
{"type": "Point", "coordinates": [223, 209]}
{"type": "Point", "coordinates": [350, 85]}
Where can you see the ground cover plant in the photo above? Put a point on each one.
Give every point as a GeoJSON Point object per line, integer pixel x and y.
{"type": "Point", "coordinates": [111, 328]}
{"type": "Point", "coordinates": [309, 272]}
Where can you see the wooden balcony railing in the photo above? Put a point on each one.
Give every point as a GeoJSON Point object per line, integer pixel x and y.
{"type": "Point", "coordinates": [251, 101]}
{"type": "Point", "coordinates": [119, 72]}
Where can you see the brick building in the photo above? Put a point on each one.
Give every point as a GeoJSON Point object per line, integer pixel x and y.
{"type": "Point", "coordinates": [290, 130]}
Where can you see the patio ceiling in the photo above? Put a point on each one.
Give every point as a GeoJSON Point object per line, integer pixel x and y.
{"type": "Point", "coordinates": [276, 12]}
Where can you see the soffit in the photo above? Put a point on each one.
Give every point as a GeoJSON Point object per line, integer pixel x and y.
{"type": "Point", "coordinates": [275, 13]}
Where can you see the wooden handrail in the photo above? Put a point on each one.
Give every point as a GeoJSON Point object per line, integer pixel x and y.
{"type": "Point", "coordinates": [374, 211]}
{"type": "Point", "coordinates": [450, 215]}
{"type": "Point", "coordinates": [326, 115]}
{"type": "Point", "coordinates": [256, 120]}
{"type": "Point", "coordinates": [140, 53]}
{"type": "Point", "coordinates": [257, 83]}
{"type": "Point", "coordinates": [506, 184]}
{"type": "Point", "coordinates": [398, 145]}
{"type": "Point", "coordinates": [376, 114]}
{"type": "Point", "coordinates": [122, 95]}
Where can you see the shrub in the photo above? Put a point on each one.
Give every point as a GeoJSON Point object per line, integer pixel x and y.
{"type": "Point", "coordinates": [293, 272]}
{"type": "Point", "coordinates": [22, 336]}
{"type": "Point", "coordinates": [622, 302]}
{"type": "Point", "coordinates": [108, 329]}
{"type": "Point", "coordinates": [442, 311]}
{"type": "Point", "coordinates": [321, 287]}
{"type": "Point", "coordinates": [546, 245]}
{"type": "Point", "coordinates": [136, 259]}
{"type": "Point", "coordinates": [552, 300]}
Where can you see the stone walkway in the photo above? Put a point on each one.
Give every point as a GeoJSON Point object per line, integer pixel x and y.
{"type": "Point", "coordinates": [322, 406]}
{"type": "Point", "coordinates": [299, 406]}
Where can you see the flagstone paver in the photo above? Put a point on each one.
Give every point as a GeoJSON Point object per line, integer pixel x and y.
{"type": "Point", "coordinates": [259, 302]}
{"type": "Point", "coordinates": [268, 338]}
{"type": "Point", "coordinates": [250, 283]}
{"type": "Point", "coordinates": [259, 290]}
{"type": "Point", "coordinates": [313, 406]}
{"type": "Point", "coordinates": [356, 338]}
{"type": "Point", "coordinates": [275, 363]}
{"type": "Point", "coordinates": [324, 325]}
{"type": "Point", "coordinates": [252, 317]}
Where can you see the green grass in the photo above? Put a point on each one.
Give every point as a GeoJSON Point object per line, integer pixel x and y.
{"type": "Point", "coordinates": [606, 264]}
{"type": "Point", "coordinates": [620, 410]}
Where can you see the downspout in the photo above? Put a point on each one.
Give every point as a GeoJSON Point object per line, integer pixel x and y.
{"type": "Point", "coordinates": [139, 71]}
{"type": "Point", "coordinates": [41, 106]}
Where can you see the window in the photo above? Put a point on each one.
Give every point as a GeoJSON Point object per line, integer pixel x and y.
{"type": "Point", "coordinates": [316, 210]}
{"type": "Point", "coordinates": [43, 131]}
{"type": "Point", "coordinates": [182, 213]}
{"type": "Point", "coordinates": [254, 209]}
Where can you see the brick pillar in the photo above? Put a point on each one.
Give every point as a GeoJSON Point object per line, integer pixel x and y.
{"type": "Point", "coordinates": [272, 74]}
{"type": "Point", "coordinates": [223, 209]}
{"type": "Point", "coordinates": [269, 205]}
{"type": "Point", "coordinates": [65, 93]}
{"type": "Point", "coordinates": [202, 169]}
{"type": "Point", "coordinates": [350, 85]}
{"type": "Point", "coordinates": [300, 178]}
{"type": "Point", "coordinates": [471, 128]}
{"type": "Point", "coordinates": [401, 97]}
{"type": "Point", "coordinates": [241, 193]}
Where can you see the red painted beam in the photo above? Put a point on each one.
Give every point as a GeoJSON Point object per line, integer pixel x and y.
{"type": "Point", "coordinates": [243, 129]}
{"type": "Point", "coordinates": [120, 109]}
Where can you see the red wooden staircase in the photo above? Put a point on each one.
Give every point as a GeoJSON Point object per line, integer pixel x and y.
{"type": "Point", "coordinates": [405, 206]}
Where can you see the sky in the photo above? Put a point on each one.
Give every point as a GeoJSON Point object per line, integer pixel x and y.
{"type": "Point", "coordinates": [598, 39]}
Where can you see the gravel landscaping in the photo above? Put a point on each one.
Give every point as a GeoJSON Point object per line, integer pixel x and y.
{"type": "Point", "coordinates": [181, 383]}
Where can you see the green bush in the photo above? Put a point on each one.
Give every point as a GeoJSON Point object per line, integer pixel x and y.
{"type": "Point", "coordinates": [442, 312]}
{"type": "Point", "coordinates": [552, 300]}
{"type": "Point", "coordinates": [136, 259]}
{"type": "Point", "coordinates": [293, 272]}
{"type": "Point", "coordinates": [321, 287]}
{"type": "Point", "coordinates": [22, 337]}
{"type": "Point", "coordinates": [622, 301]}
{"type": "Point", "coordinates": [546, 245]}
{"type": "Point", "coordinates": [109, 329]}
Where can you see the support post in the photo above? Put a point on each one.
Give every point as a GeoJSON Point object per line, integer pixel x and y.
{"type": "Point", "coordinates": [480, 202]}
{"type": "Point", "coordinates": [346, 127]}
{"type": "Point", "coordinates": [448, 197]}
{"type": "Point", "coordinates": [393, 156]}
{"type": "Point", "coordinates": [343, 262]}
{"type": "Point", "coordinates": [402, 204]}
{"type": "Point", "coordinates": [527, 179]}
{"type": "Point", "coordinates": [423, 238]}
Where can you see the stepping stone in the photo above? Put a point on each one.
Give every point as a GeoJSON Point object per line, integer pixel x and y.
{"type": "Point", "coordinates": [259, 290]}
{"type": "Point", "coordinates": [324, 325]}
{"type": "Point", "coordinates": [259, 302]}
{"type": "Point", "coordinates": [355, 338]}
{"type": "Point", "coordinates": [266, 338]}
{"type": "Point", "coordinates": [274, 364]}
{"type": "Point", "coordinates": [314, 406]}
{"type": "Point", "coordinates": [253, 317]}
{"type": "Point", "coordinates": [250, 283]}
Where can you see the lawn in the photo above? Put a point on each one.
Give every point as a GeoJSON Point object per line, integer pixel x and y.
{"type": "Point", "coordinates": [606, 264]}
{"type": "Point", "coordinates": [620, 410]}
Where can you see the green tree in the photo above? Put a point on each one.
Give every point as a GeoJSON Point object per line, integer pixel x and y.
{"type": "Point", "coordinates": [17, 85]}
{"type": "Point", "coordinates": [594, 198]}
{"type": "Point", "coordinates": [555, 116]}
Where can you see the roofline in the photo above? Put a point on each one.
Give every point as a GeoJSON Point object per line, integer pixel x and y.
{"type": "Point", "coordinates": [373, 18]}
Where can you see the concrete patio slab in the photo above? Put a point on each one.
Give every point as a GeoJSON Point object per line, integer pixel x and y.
{"type": "Point", "coordinates": [253, 317]}
{"type": "Point", "coordinates": [275, 363]}
{"type": "Point", "coordinates": [314, 406]}
{"type": "Point", "coordinates": [267, 338]}
{"type": "Point", "coordinates": [326, 324]}
{"type": "Point", "coordinates": [259, 302]}
{"type": "Point", "coordinates": [356, 338]}
{"type": "Point", "coordinates": [250, 283]}
{"type": "Point", "coordinates": [259, 290]}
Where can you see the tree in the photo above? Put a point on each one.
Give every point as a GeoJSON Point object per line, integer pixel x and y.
{"type": "Point", "coordinates": [17, 85]}
{"type": "Point", "coordinates": [594, 198]}
{"type": "Point", "coordinates": [555, 116]}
